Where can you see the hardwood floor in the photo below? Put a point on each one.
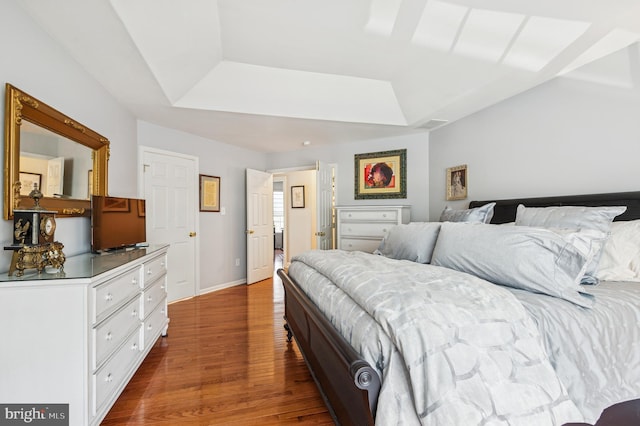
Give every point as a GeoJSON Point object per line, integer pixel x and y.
{"type": "Point", "coordinates": [226, 361]}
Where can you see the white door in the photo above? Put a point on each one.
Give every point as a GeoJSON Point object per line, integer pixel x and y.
{"type": "Point", "coordinates": [170, 188]}
{"type": "Point", "coordinates": [324, 206]}
{"type": "Point", "coordinates": [55, 177]}
{"type": "Point", "coordinates": [259, 226]}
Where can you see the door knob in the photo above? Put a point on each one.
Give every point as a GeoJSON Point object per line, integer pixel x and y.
{"type": "Point", "coordinates": [192, 234]}
{"type": "Point", "coordinates": [320, 234]}
{"type": "Point", "coordinates": [250, 231]}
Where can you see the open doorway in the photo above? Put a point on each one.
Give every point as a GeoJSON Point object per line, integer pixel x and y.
{"type": "Point", "coordinates": [279, 183]}
{"type": "Point", "coordinates": [305, 224]}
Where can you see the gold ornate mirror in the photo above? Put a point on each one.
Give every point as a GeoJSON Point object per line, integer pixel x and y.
{"type": "Point", "coordinates": [42, 146]}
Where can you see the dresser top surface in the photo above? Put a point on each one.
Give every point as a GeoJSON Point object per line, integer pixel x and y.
{"type": "Point", "coordinates": [86, 265]}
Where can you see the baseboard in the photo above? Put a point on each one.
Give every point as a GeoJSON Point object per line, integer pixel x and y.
{"type": "Point", "coordinates": [222, 286]}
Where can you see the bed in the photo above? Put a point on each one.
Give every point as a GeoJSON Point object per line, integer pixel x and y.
{"type": "Point", "coordinates": [465, 350]}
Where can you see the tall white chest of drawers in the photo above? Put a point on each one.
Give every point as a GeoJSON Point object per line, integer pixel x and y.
{"type": "Point", "coordinates": [363, 227]}
{"type": "Point", "coordinates": [77, 337]}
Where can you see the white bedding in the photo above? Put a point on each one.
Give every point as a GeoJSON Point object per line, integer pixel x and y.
{"type": "Point", "coordinates": [451, 348]}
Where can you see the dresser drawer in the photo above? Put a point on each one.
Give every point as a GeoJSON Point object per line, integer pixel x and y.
{"type": "Point", "coordinates": [113, 374]}
{"type": "Point", "coordinates": [154, 269]}
{"type": "Point", "coordinates": [351, 244]}
{"type": "Point", "coordinates": [376, 230]}
{"type": "Point", "coordinates": [154, 324]}
{"type": "Point", "coordinates": [109, 296]}
{"type": "Point", "coordinates": [109, 334]}
{"type": "Point", "coordinates": [372, 215]}
{"type": "Point", "coordinates": [152, 296]}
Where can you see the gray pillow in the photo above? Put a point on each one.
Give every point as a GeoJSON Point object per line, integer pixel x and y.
{"type": "Point", "coordinates": [482, 214]}
{"type": "Point", "coordinates": [575, 217]}
{"type": "Point", "coordinates": [534, 259]}
{"type": "Point", "coordinates": [413, 241]}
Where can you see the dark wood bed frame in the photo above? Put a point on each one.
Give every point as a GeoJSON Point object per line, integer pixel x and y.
{"type": "Point", "coordinates": [348, 384]}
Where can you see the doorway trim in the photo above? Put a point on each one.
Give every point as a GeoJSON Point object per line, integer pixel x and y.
{"type": "Point", "coordinates": [142, 149]}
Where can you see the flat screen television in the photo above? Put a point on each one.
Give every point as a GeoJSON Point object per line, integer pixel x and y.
{"type": "Point", "coordinates": [117, 222]}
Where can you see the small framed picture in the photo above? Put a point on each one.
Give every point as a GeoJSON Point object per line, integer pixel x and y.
{"type": "Point", "coordinates": [209, 193]}
{"type": "Point", "coordinates": [27, 182]}
{"type": "Point", "coordinates": [297, 197]}
{"type": "Point", "coordinates": [457, 182]}
{"type": "Point", "coordinates": [116, 204]}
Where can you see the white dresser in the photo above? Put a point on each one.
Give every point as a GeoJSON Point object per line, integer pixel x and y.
{"type": "Point", "coordinates": [363, 227]}
{"type": "Point", "coordinates": [77, 337]}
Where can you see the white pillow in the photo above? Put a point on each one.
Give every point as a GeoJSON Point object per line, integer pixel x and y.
{"type": "Point", "coordinates": [482, 214]}
{"type": "Point", "coordinates": [620, 260]}
{"type": "Point", "coordinates": [575, 217]}
{"type": "Point", "coordinates": [534, 259]}
{"type": "Point", "coordinates": [413, 241]}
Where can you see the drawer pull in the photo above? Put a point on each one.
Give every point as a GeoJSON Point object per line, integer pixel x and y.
{"type": "Point", "coordinates": [108, 297]}
{"type": "Point", "coordinates": [349, 215]}
{"type": "Point", "coordinates": [384, 215]}
{"type": "Point", "coordinates": [161, 263]}
{"type": "Point", "coordinates": [134, 281]}
{"type": "Point", "coordinates": [134, 347]}
{"type": "Point", "coordinates": [384, 230]}
{"type": "Point", "coordinates": [150, 327]}
{"type": "Point", "coordinates": [109, 336]}
{"type": "Point", "coordinates": [134, 313]}
{"type": "Point", "coordinates": [149, 271]}
{"type": "Point", "coordinates": [109, 378]}
{"type": "Point", "coordinates": [149, 299]}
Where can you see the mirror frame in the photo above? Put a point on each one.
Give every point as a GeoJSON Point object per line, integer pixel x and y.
{"type": "Point", "coordinates": [20, 105]}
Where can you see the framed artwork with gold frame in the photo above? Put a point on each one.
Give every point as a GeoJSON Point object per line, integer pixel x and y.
{"type": "Point", "coordinates": [381, 175]}
{"type": "Point", "coordinates": [457, 182]}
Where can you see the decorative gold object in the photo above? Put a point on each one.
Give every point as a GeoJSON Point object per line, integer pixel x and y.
{"type": "Point", "coordinates": [74, 125]}
{"type": "Point", "coordinates": [37, 257]}
{"type": "Point", "coordinates": [33, 239]}
{"type": "Point", "coordinates": [73, 212]}
{"type": "Point", "coordinates": [20, 108]}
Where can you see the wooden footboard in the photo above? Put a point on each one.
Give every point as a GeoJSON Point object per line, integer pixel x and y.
{"type": "Point", "coordinates": [348, 384]}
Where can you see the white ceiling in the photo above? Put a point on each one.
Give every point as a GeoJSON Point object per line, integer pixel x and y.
{"type": "Point", "coordinates": [269, 75]}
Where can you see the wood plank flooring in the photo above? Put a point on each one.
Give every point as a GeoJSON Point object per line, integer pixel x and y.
{"type": "Point", "coordinates": [225, 361]}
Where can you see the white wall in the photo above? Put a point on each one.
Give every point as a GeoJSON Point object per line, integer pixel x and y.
{"type": "Point", "coordinates": [301, 222]}
{"type": "Point", "coordinates": [221, 238]}
{"type": "Point", "coordinates": [567, 136]}
{"type": "Point", "coordinates": [36, 64]}
{"type": "Point", "coordinates": [417, 146]}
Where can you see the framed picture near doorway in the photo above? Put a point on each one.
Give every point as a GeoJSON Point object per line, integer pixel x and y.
{"type": "Point", "coordinates": [297, 197]}
{"type": "Point", "coordinates": [209, 193]}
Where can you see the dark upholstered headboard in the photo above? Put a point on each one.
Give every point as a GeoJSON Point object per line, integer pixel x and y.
{"type": "Point", "coordinates": [505, 210]}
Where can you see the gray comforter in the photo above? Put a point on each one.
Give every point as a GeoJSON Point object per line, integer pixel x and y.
{"type": "Point", "coordinates": [595, 352]}
{"type": "Point", "coordinates": [451, 349]}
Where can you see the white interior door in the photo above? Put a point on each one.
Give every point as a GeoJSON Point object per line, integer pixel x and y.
{"type": "Point", "coordinates": [55, 177]}
{"type": "Point", "coordinates": [170, 185]}
{"type": "Point", "coordinates": [324, 205]}
{"type": "Point", "coordinates": [259, 226]}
